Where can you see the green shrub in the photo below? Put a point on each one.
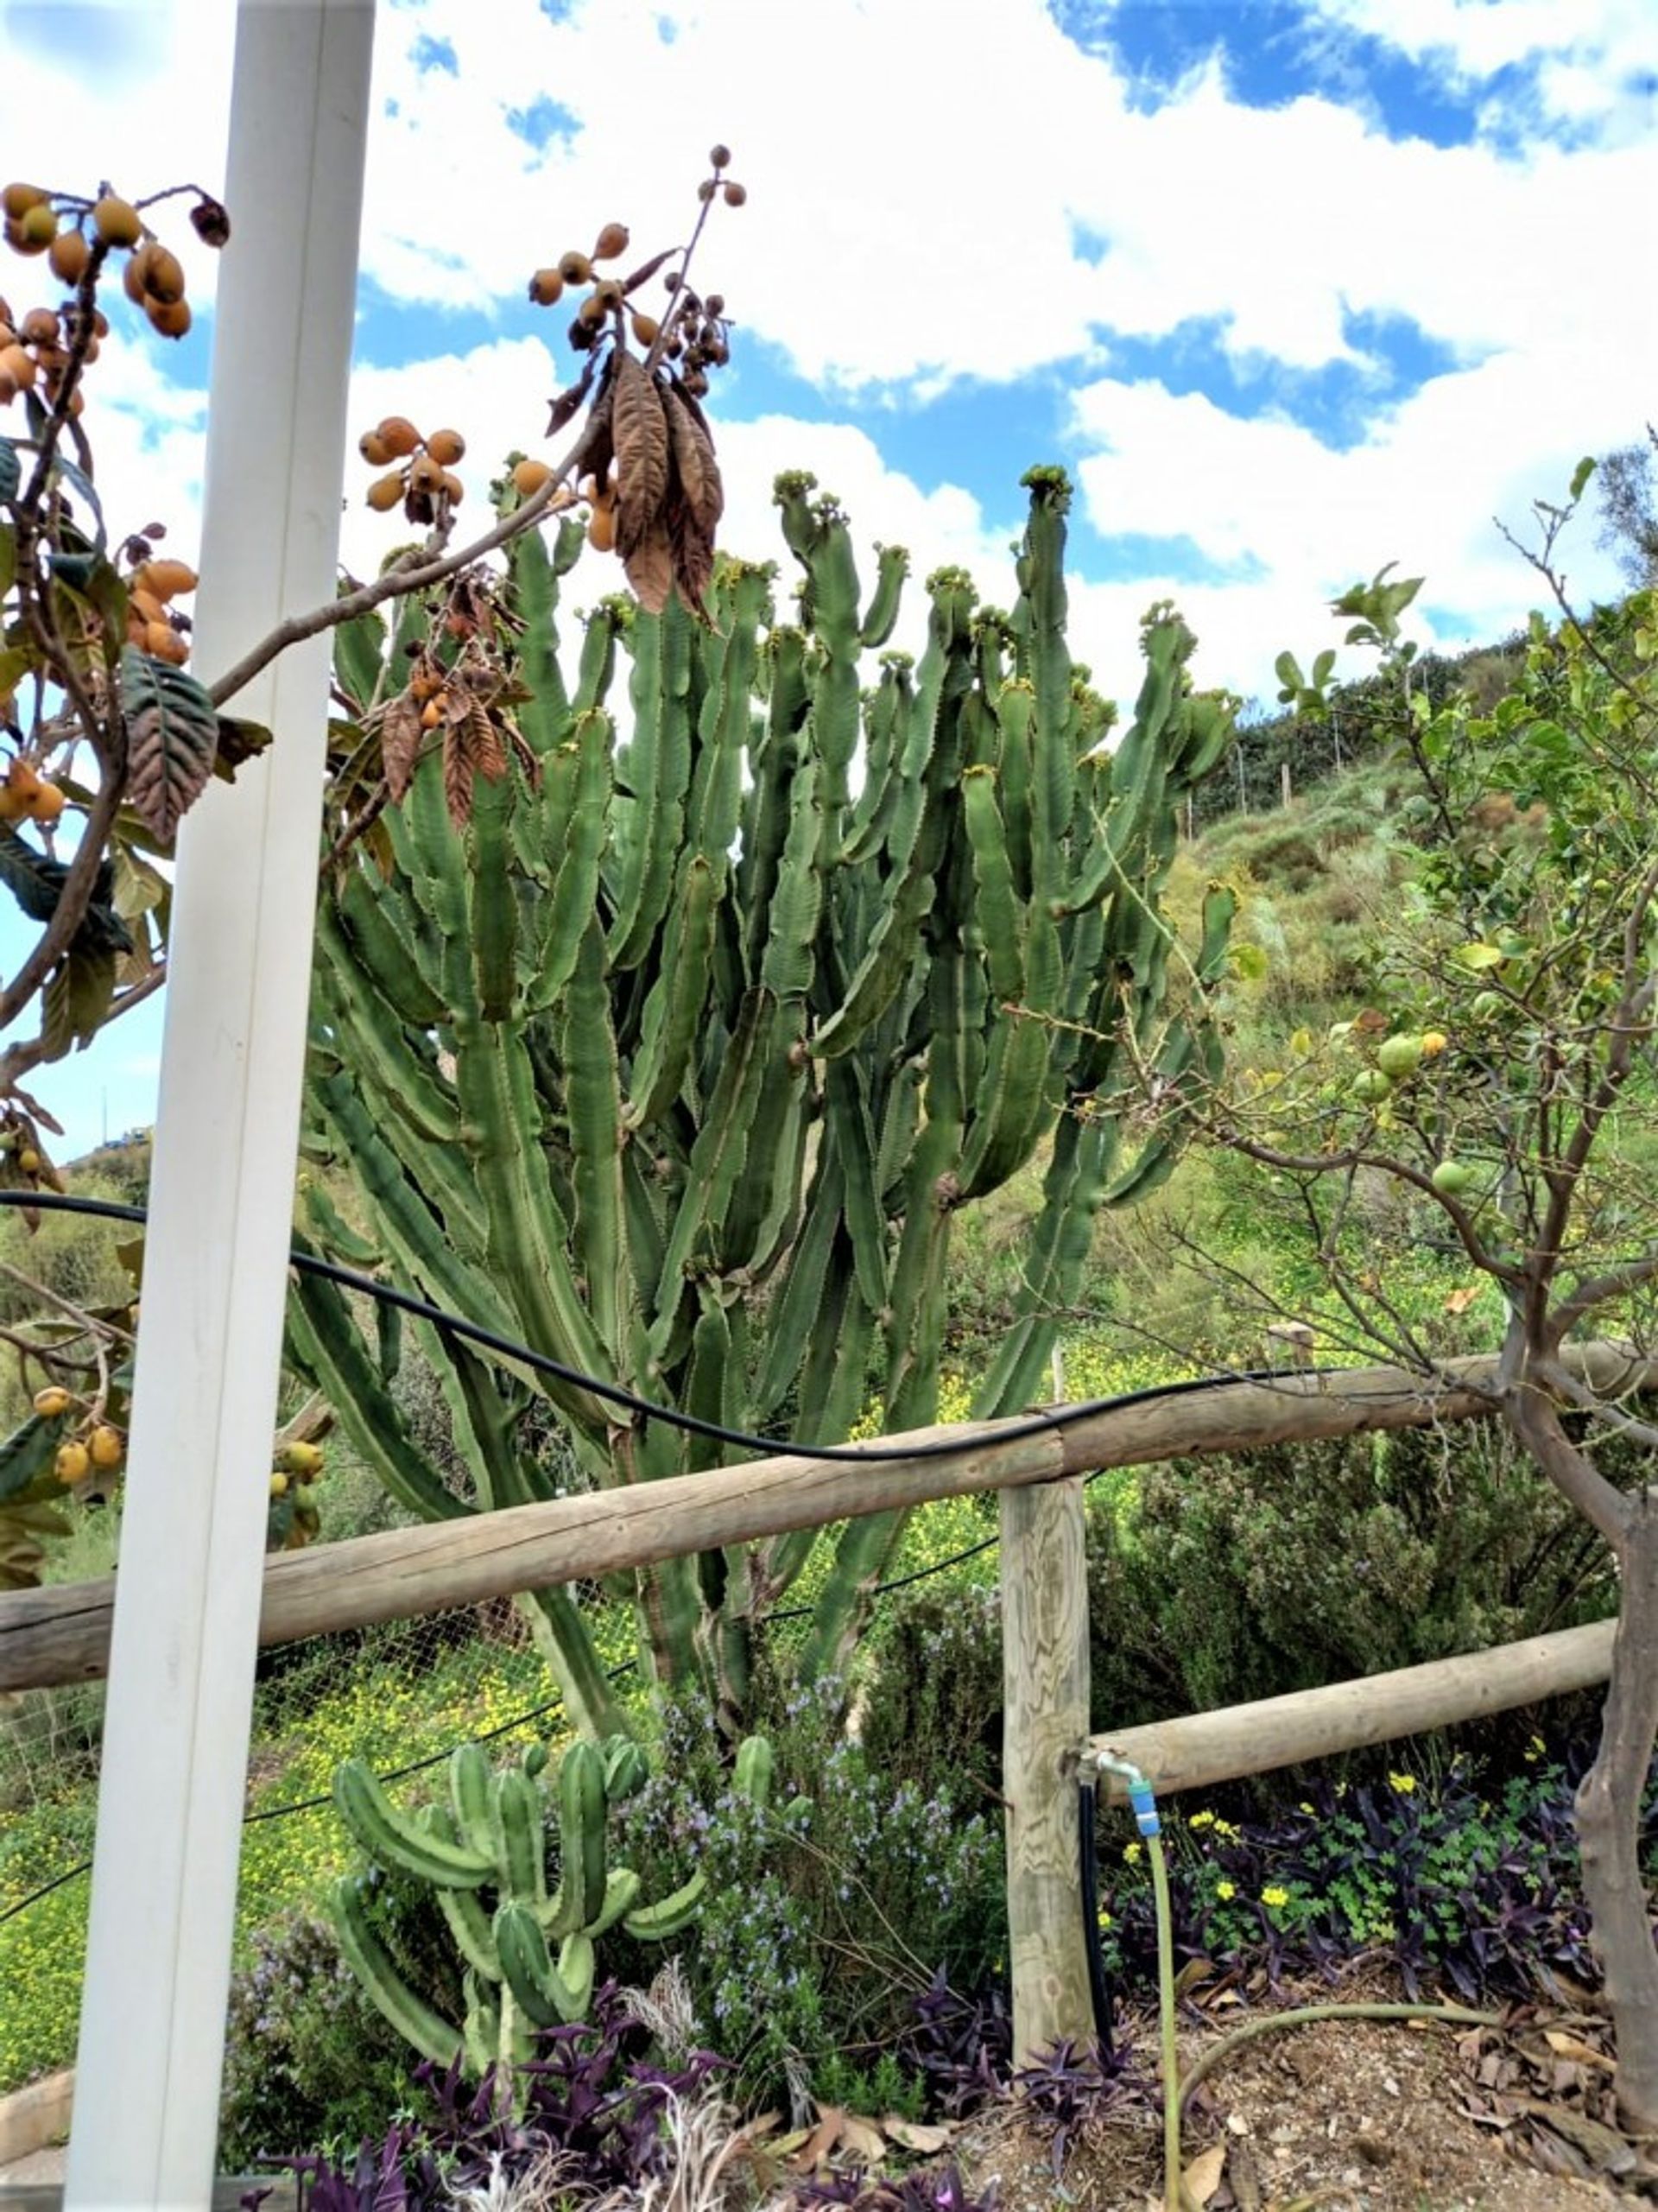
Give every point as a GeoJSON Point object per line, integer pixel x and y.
{"type": "Point", "coordinates": [1218, 1580]}
{"type": "Point", "coordinates": [830, 1908]}
{"type": "Point", "coordinates": [933, 1703]}
{"type": "Point", "coordinates": [309, 2062]}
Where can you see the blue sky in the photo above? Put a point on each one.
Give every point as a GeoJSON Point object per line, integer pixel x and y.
{"type": "Point", "coordinates": [1291, 290]}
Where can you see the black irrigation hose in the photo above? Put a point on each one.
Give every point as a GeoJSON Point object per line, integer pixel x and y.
{"type": "Point", "coordinates": [1099, 1989]}
{"type": "Point", "coordinates": [941, 1447]}
{"type": "Point", "coordinates": [453, 1324]}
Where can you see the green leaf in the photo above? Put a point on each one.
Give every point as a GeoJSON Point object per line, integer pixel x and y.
{"type": "Point", "coordinates": [16, 661]}
{"type": "Point", "coordinates": [8, 559]}
{"type": "Point", "coordinates": [11, 472]}
{"type": "Point", "coordinates": [77, 1000]}
{"type": "Point", "coordinates": [1249, 963]}
{"type": "Point", "coordinates": [172, 739]}
{"type": "Point", "coordinates": [36, 883]}
{"type": "Point", "coordinates": [83, 484]}
{"type": "Point", "coordinates": [1479, 957]}
{"type": "Point", "coordinates": [26, 1454]}
{"type": "Point", "coordinates": [239, 742]}
{"type": "Point", "coordinates": [1581, 474]}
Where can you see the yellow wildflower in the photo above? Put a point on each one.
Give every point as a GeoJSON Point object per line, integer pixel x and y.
{"type": "Point", "coordinates": [1274, 1897]}
{"type": "Point", "coordinates": [1131, 1852]}
{"type": "Point", "coordinates": [1202, 1820]}
{"type": "Point", "coordinates": [1404, 1784]}
{"type": "Point", "coordinates": [1226, 1891]}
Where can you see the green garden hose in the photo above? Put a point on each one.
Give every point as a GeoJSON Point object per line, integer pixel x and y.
{"type": "Point", "coordinates": [1177, 2088]}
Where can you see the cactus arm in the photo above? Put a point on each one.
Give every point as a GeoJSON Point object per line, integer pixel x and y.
{"type": "Point", "coordinates": [621, 1892]}
{"type": "Point", "coordinates": [494, 900]}
{"type": "Point", "coordinates": [1001, 912]}
{"type": "Point", "coordinates": [582, 1808]}
{"type": "Point", "coordinates": [528, 1238]}
{"type": "Point", "coordinates": [378, 1045]}
{"type": "Point", "coordinates": [892, 566]}
{"type": "Point", "coordinates": [673, 1007]}
{"type": "Point", "coordinates": [799, 1300]}
{"type": "Point", "coordinates": [329, 1347]}
{"type": "Point", "coordinates": [796, 906]}
{"type": "Point", "coordinates": [660, 1922]}
{"type": "Point", "coordinates": [427, 2031]}
{"type": "Point", "coordinates": [431, 1238]}
{"type": "Point", "coordinates": [519, 1848]}
{"type": "Point", "coordinates": [536, 574]}
{"type": "Point", "coordinates": [659, 765]}
{"type": "Point", "coordinates": [886, 712]}
{"type": "Point", "coordinates": [848, 1129]}
{"type": "Point", "coordinates": [595, 1110]}
{"type": "Point", "coordinates": [575, 890]}
{"type": "Point", "coordinates": [645, 1199]}
{"type": "Point", "coordinates": [471, 1792]}
{"type": "Point", "coordinates": [468, 1926]}
{"type": "Point", "coordinates": [395, 1841]}
{"type": "Point", "coordinates": [547, 1993]}
{"type": "Point", "coordinates": [386, 954]}
{"type": "Point", "coordinates": [597, 663]}
{"type": "Point", "coordinates": [717, 1158]}
{"type": "Point", "coordinates": [716, 791]}
{"type": "Point", "coordinates": [360, 651]}
{"type": "Point", "coordinates": [338, 1238]}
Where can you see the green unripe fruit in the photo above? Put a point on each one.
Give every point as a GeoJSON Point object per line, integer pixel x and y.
{"type": "Point", "coordinates": [1488, 1005]}
{"type": "Point", "coordinates": [1451, 1177]}
{"type": "Point", "coordinates": [1399, 1056]}
{"type": "Point", "coordinates": [1370, 1087]}
{"type": "Point", "coordinates": [300, 1458]}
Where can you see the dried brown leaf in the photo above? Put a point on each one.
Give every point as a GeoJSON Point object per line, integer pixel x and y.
{"type": "Point", "coordinates": [639, 427]}
{"type": "Point", "coordinates": [456, 776]}
{"type": "Point", "coordinates": [647, 271]}
{"type": "Point", "coordinates": [1202, 2177]}
{"type": "Point", "coordinates": [528, 760]}
{"type": "Point", "coordinates": [569, 402]}
{"type": "Point", "coordinates": [482, 742]}
{"type": "Point", "coordinates": [400, 744]}
{"type": "Point", "coordinates": [694, 459]}
{"type": "Point", "coordinates": [916, 2135]}
{"type": "Point", "coordinates": [694, 555]}
{"type": "Point", "coordinates": [650, 570]}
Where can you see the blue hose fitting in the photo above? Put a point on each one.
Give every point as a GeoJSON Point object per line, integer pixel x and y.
{"type": "Point", "coordinates": [1145, 1808]}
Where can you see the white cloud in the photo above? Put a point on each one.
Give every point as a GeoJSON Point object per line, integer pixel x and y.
{"type": "Point", "coordinates": [1589, 63]}
{"type": "Point", "coordinates": [919, 212]}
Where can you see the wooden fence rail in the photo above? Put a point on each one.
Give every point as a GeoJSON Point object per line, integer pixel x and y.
{"type": "Point", "coordinates": [62, 1634]}
{"type": "Point", "coordinates": [1203, 1748]}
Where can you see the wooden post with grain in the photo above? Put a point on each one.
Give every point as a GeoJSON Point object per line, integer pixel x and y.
{"type": "Point", "coordinates": [1045, 1674]}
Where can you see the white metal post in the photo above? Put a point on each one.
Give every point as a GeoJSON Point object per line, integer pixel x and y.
{"type": "Point", "coordinates": [169, 1816]}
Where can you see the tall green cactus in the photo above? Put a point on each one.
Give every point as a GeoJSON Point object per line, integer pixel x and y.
{"type": "Point", "coordinates": [492, 1838]}
{"type": "Point", "coordinates": [678, 1064]}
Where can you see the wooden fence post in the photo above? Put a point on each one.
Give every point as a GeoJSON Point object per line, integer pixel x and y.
{"type": "Point", "coordinates": [1045, 1675]}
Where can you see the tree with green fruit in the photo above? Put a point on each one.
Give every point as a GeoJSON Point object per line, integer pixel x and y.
{"type": "Point", "coordinates": [1503, 1081]}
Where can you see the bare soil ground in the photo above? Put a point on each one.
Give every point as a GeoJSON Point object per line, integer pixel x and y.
{"type": "Point", "coordinates": [1352, 2116]}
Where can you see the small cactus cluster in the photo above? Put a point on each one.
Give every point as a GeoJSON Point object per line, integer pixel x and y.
{"type": "Point", "coordinates": [490, 1842]}
{"type": "Point", "coordinates": [76, 235]}
{"type": "Point", "coordinates": [423, 482]}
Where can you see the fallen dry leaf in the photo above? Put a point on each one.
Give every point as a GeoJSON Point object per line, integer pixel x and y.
{"type": "Point", "coordinates": [1202, 2177]}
